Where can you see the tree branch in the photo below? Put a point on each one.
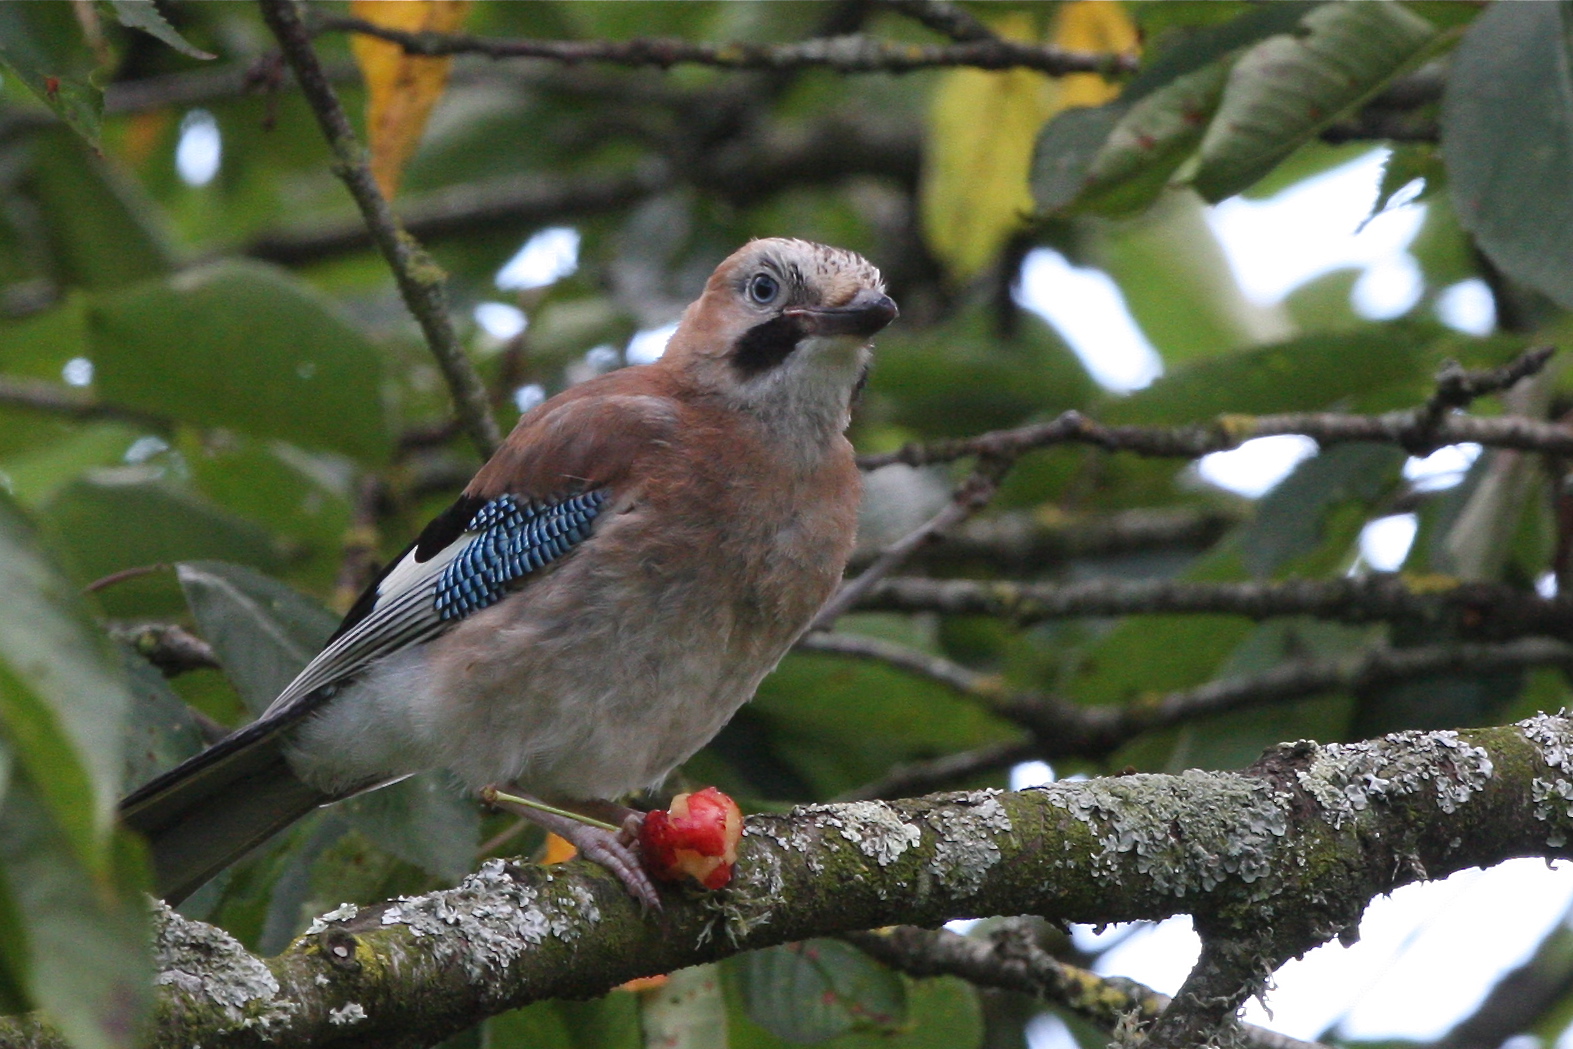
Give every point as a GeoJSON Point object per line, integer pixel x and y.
{"type": "Point", "coordinates": [421, 282]}
{"type": "Point", "coordinates": [844, 54]}
{"type": "Point", "coordinates": [1481, 610]}
{"type": "Point", "coordinates": [1419, 430]}
{"type": "Point", "coordinates": [955, 22]}
{"type": "Point", "coordinates": [1025, 542]}
{"type": "Point", "coordinates": [972, 495]}
{"type": "Point", "coordinates": [1278, 858]}
{"type": "Point", "coordinates": [1011, 961]}
{"type": "Point", "coordinates": [54, 399]}
{"type": "Point", "coordinates": [1064, 728]}
{"type": "Point", "coordinates": [1406, 429]}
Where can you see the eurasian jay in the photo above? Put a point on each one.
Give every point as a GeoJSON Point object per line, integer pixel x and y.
{"type": "Point", "coordinates": [609, 589]}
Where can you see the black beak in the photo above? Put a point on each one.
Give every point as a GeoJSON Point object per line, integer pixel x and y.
{"type": "Point", "coordinates": [867, 313]}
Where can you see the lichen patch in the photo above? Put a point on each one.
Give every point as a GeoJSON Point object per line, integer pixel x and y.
{"type": "Point", "coordinates": [206, 962]}
{"type": "Point", "coordinates": [877, 831]}
{"type": "Point", "coordinates": [965, 849]}
{"type": "Point", "coordinates": [1178, 835]}
{"type": "Point", "coordinates": [1345, 778]}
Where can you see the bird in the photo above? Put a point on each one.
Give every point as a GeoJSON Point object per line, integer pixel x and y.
{"type": "Point", "coordinates": [607, 591]}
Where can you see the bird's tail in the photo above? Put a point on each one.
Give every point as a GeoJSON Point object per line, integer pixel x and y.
{"type": "Point", "coordinates": [209, 811]}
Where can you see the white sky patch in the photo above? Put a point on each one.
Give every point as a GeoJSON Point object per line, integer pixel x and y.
{"type": "Point", "coordinates": [1385, 542]}
{"type": "Point", "coordinates": [1546, 585]}
{"type": "Point", "coordinates": [200, 149]}
{"type": "Point", "coordinates": [528, 396]}
{"type": "Point", "coordinates": [1030, 774]}
{"type": "Point", "coordinates": [546, 258]}
{"type": "Point", "coordinates": [500, 320]}
{"type": "Point", "coordinates": [1047, 1031]}
{"type": "Point", "coordinates": [646, 347]}
{"type": "Point", "coordinates": [78, 371]}
{"type": "Point", "coordinates": [1086, 307]}
{"type": "Point", "coordinates": [1443, 468]}
{"type": "Point", "coordinates": [1257, 465]}
{"type": "Point", "coordinates": [1468, 306]}
{"type": "Point", "coordinates": [1427, 955]}
{"type": "Point", "coordinates": [1159, 955]}
{"type": "Point", "coordinates": [1275, 245]}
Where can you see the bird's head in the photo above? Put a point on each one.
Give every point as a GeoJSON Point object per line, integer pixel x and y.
{"type": "Point", "coordinates": [783, 331]}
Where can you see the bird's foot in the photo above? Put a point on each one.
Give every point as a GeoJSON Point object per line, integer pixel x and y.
{"type": "Point", "coordinates": [615, 847]}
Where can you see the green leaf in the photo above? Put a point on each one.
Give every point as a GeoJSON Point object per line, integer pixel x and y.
{"type": "Point", "coordinates": [112, 520]}
{"type": "Point", "coordinates": [71, 923]}
{"type": "Point", "coordinates": [1286, 89]}
{"type": "Point", "coordinates": [536, 1026]}
{"type": "Point", "coordinates": [1507, 138]}
{"type": "Point", "coordinates": [160, 731]}
{"type": "Point", "coordinates": [817, 989]}
{"type": "Point", "coordinates": [101, 230]}
{"type": "Point", "coordinates": [424, 820]}
{"type": "Point", "coordinates": [264, 631]}
{"type": "Point", "coordinates": [62, 699]}
{"type": "Point", "coordinates": [1117, 158]}
{"type": "Point", "coordinates": [1289, 519]}
{"type": "Point", "coordinates": [687, 1012]}
{"type": "Point", "coordinates": [1370, 368]}
{"type": "Point", "coordinates": [141, 14]}
{"type": "Point", "coordinates": [247, 347]}
{"type": "Point", "coordinates": [41, 45]}
{"type": "Point", "coordinates": [84, 948]}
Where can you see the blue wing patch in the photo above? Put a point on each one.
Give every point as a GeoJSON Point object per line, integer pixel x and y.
{"type": "Point", "coordinates": [514, 539]}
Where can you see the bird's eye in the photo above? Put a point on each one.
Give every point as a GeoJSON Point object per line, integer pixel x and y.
{"type": "Point", "coordinates": [763, 288]}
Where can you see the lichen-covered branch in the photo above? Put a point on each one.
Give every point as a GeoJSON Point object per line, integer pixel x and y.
{"type": "Point", "coordinates": [1271, 861]}
{"type": "Point", "coordinates": [1482, 610]}
{"type": "Point", "coordinates": [421, 282]}
{"type": "Point", "coordinates": [844, 54]}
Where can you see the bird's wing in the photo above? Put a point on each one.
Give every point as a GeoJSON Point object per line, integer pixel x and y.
{"type": "Point", "coordinates": [502, 542]}
{"type": "Point", "coordinates": [534, 501]}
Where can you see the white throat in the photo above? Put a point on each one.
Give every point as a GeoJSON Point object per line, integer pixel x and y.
{"type": "Point", "coordinates": [806, 401]}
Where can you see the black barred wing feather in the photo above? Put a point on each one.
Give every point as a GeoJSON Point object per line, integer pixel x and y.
{"type": "Point", "coordinates": [511, 539]}
{"type": "Point", "coordinates": [418, 597]}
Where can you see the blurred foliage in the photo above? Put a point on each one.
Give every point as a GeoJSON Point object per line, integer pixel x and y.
{"type": "Point", "coordinates": [175, 248]}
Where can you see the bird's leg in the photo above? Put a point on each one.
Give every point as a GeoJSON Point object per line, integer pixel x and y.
{"type": "Point", "coordinates": [600, 830]}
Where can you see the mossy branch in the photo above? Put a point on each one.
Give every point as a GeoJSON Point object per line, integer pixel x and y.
{"type": "Point", "coordinates": [1271, 861]}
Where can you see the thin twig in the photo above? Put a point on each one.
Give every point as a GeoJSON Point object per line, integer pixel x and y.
{"type": "Point", "coordinates": [1012, 961]}
{"type": "Point", "coordinates": [1062, 728]}
{"type": "Point", "coordinates": [953, 21]}
{"type": "Point", "coordinates": [1482, 610]}
{"type": "Point", "coordinates": [168, 646]}
{"type": "Point", "coordinates": [1027, 541]}
{"type": "Point", "coordinates": [946, 771]}
{"type": "Point", "coordinates": [421, 282]}
{"type": "Point", "coordinates": [1418, 430]}
{"type": "Point", "coordinates": [845, 54]}
{"type": "Point", "coordinates": [55, 399]}
{"type": "Point", "coordinates": [970, 496]}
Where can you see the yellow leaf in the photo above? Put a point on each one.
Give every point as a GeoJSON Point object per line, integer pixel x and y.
{"type": "Point", "coordinates": [1098, 26]}
{"type": "Point", "coordinates": [401, 89]}
{"type": "Point", "coordinates": [558, 850]}
{"type": "Point", "coordinates": [982, 128]}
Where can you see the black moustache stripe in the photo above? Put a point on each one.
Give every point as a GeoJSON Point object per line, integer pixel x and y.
{"type": "Point", "coordinates": [766, 345]}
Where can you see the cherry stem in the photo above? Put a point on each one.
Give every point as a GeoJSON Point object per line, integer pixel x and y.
{"type": "Point", "coordinates": [491, 795]}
